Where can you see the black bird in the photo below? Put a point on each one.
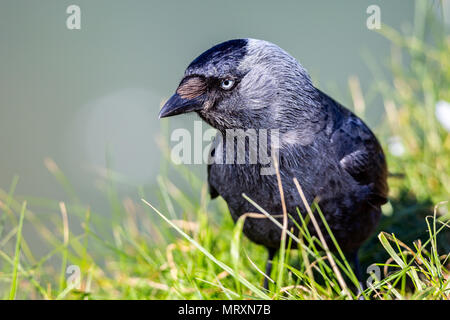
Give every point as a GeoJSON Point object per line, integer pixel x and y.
{"type": "Point", "coordinates": [253, 84]}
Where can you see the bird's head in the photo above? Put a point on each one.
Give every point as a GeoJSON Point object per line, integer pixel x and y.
{"type": "Point", "coordinates": [243, 83]}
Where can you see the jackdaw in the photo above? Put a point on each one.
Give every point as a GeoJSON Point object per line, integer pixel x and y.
{"type": "Point", "coordinates": [250, 84]}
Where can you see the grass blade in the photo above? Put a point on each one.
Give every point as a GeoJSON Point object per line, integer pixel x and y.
{"type": "Point", "coordinates": [12, 292]}
{"type": "Point", "coordinates": [246, 283]}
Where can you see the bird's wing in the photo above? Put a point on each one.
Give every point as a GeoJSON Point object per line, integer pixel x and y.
{"type": "Point", "coordinates": [358, 150]}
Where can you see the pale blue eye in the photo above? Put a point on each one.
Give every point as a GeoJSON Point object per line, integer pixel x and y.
{"type": "Point", "coordinates": [227, 84]}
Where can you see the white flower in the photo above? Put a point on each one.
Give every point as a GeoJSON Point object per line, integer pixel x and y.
{"type": "Point", "coordinates": [395, 146]}
{"type": "Point", "coordinates": [442, 210]}
{"type": "Point", "coordinates": [443, 114]}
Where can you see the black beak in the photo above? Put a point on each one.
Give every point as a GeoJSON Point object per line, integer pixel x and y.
{"type": "Point", "coordinates": [177, 105]}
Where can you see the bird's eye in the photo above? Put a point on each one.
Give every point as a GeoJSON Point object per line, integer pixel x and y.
{"type": "Point", "coordinates": [227, 84]}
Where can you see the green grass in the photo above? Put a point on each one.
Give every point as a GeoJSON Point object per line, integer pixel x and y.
{"type": "Point", "coordinates": [184, 246]}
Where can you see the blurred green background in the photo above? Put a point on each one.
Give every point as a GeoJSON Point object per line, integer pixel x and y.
{"type": "Point", "coordinates": [79, 124]}
{"type": "Point", "coordinates": [89, 98]}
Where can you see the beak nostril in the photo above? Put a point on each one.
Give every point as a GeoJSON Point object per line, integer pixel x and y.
{"type": "Point", "coordinates": [191, 87]}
